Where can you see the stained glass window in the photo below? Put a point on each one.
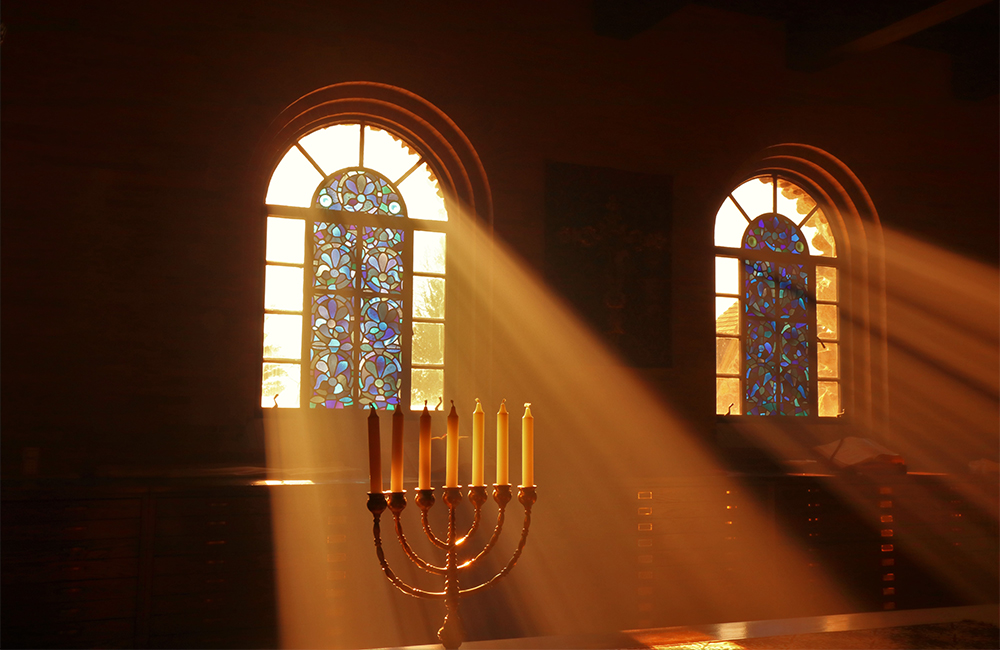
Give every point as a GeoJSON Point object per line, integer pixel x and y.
{"type": "Point", "coordinates": [354, 292]}
{"type": "Point", "coordinates": [777, 320]}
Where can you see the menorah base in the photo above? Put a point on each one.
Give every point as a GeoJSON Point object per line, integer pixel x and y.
{"type": "Point", "coordinates": [452, 632]}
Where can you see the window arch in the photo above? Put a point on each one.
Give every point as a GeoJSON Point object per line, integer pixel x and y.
{"type": "Point", "coordinates": [368, 182]}
{"type": "Point", "coordinates": [828, 286]}
{"type": "Point", "coordinates": [777, 313]}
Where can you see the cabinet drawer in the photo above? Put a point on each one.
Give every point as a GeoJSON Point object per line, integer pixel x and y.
{"type": "Point", "coordinates": [60, 592]}
{"type": "Point", "coordinates": [24, 612]}
{"type": "Point", "coordinates": [112, 633]}
{"type": "Point", "coordinates": [96, 529]}
{"type": "Point", "coordinates": [29, 512]}
{"type": "Point", "coordinates": [211, 506]}
{"type": "Point", "coordinates": [193, 564]}
{"type": "Point", "coordinates": [82, 570]}
{"type": "Point", "coordinates": [22, 550]}
{"type": "Point", "coordinates": [215, 526]}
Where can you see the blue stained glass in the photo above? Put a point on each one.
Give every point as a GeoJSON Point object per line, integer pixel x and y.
{"type": "Point", "coordinates": [773, 290]}
{"type": "Point", "coordinates": [382, 270]}
{"type": "Point", "coordinates": [773, 232]}
{"type": "Point", "coordinates": [331, 353]}
{"type": "Point", "coordinates": [358, 189]}
{"type": "Point", "coordinates": [333, 255]}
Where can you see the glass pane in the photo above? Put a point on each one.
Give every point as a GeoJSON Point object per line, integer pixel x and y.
{"type": "Point", "coordinates": [819, 236]}
{"type": "Point", "coordinates": [387, 154]}
{"type": "Point", "coordinates": [727, 315]}
{"type": "Point", "coordinates": [727, 356]}
{"type": "Point", "coordinates": [729, 225]}
{"type": "Point", "coordinates": [826, 321]}
{"type": "Point", "coordinates": [826, 283]}
{"type": "Point", "coordinates": [829, 398]}
{"type": "Point", "coordinates": [426, 385]}
{"type": "Point", "coordinates": [423, 196]}
{"type": "Point", "coordinates": [727, 396]}
{"type": "Point", "coordinates": [332, 351]}
{"type": "Point", "coordinates": [428, 343]}
{"type": "Point", "coordinates": [334, 147]}
{"type": "Point", "coordinates": [285, 240]}
{"type": "Point", "coordinates": [428, 251]}
{"type": "Point", "coordinates": [793, 202]}
{"type": "Point", "coordinates": [380, 373]}
{"type": "Point", "coordinates": [828, 358]}
{"type": "Point", "coordinates": [727, 275]}
{"type": "Point", "coordinates": [756, 196]}
{"type": "Point", "coordinates": [428, 297]}
{"type": "Point", "coordinates": [293, 182]}
{"type": "Point", "coordinates": [382, 260]}
{"type": "Point", "coordinates": [334, 252]}
{"type": "Point", "coordinates": [283, 288]}
{"type": "Point", "coordinates": [359, 190]}
{"type": "Point", "coordinates": [282, 336]}
{"type": "Point", "coordinates": [280, 385]}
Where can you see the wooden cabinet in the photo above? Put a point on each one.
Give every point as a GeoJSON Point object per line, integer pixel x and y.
{"type": "Point", "coordinates": [164, 567]}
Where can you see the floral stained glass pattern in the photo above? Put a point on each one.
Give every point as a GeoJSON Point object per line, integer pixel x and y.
{"type": "Point", "coordinates": [334, 253]}
{"type": "Point", "coordinates": [332, 357]}
{"type": "Point", "coordinates": [381, 363]}
{"type": "Point", "coordinates": [360, 190]}
{"type": "Point", "coordinates": [382, 271]}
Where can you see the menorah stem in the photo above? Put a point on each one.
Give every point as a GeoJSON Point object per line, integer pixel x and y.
{"type": "Point", "coordinates": [452, 632]}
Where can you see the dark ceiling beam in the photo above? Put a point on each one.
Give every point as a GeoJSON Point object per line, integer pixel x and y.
{"type": "Point", "coordinates": [820, 39]}
{"type": "Point", "coordinates": [623, 19]}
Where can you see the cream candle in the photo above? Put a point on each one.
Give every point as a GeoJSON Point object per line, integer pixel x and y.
{"type": "Point", "coordinates": [424, 474]}
{"type": "Point", "coordinates": [374, 453]}
{"type": "Point", "coordinates": [527, 447]}
{"type": "Point", "coordinates": [478, 433]}
{"type": "Point", "coordinates": [503, 446]}
{"type": "Point", "coordinates": [451, 466]}
{"type": "Point", "coordinates": [396, 471]}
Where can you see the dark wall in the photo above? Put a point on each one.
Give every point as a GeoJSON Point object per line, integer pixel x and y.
{"type": "Point", "coordinates": [132, 227]}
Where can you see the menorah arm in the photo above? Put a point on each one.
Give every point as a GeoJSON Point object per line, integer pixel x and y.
{"type": "Point", "coordinates": [478, 497]}
{"type": "Point", "coordinates": [399, 584]}
{"type": "Point", "coordinates": [430, 533]}
{"type": "Point", "coordinates": [410, 553]}
{"type": "Point", "coordinates": [527, 497]}
{"type": "Point", "coordinates": [493, 539]}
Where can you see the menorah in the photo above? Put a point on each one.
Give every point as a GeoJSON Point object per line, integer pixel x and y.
{"type": "Point", "coordinates": [452, 632]}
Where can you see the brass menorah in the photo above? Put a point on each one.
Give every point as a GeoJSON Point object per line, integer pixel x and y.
{"type": "Point", "coordinates": [452, 632]}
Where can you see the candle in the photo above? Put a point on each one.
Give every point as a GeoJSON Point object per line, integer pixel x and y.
{"type": "Point", "coordinates": [527, 447]}
{"type": "Point", "coordinates": [396, 473]}
{"type": "Point", "coordinates": [503, 456]}
{"type": "Point", "coordinates": [478, 432]}
{"type": "Point", "coordinates": [374, 453]}
{"type": "Point", "coordinates": [424, 479]}
{"type": "Point", "coordinates": [451, 467]}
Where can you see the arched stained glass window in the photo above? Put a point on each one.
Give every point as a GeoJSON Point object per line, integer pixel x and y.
{"type": "Point", "coordinates": [354, 295]}
{"type": "Point", "coordinates": [776, 306]}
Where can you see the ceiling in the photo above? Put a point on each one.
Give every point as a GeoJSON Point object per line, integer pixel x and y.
{"type": "Point", "coordinates": [821, 33]}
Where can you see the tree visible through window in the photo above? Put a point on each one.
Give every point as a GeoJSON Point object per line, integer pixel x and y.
{"type": "Point", "coordinates": [777, 321]}
{"type": "Point", "coordinates": [354, 294]}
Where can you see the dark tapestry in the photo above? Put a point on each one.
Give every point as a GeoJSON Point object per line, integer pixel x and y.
{"type": "Point", "coordinates": [607, 251]}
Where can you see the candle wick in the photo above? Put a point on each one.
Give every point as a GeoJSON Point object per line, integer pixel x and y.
{"type": "Point", "coordinates": [503, 401]}
{"type": "Point", "coordinates": [527, 404]}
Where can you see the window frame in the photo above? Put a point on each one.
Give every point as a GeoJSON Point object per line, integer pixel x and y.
{"type": "Point", "coordinates": [809, 262]}
{"type": "Point", "coordinates": [312, 215]}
